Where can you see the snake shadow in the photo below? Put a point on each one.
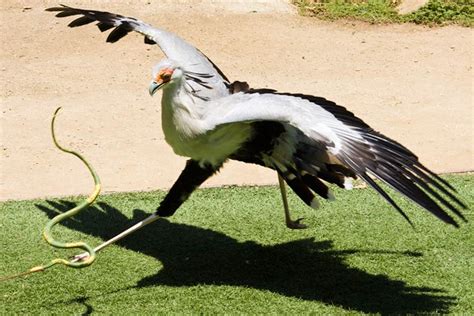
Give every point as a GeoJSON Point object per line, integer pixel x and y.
{"type": "Point", "coordinates": [304, 269]}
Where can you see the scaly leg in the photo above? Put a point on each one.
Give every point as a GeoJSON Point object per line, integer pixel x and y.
{"type": "Point", "coordinates": [190, 178]}
{"type": "Point", "coordinates": [289, 223]}
{"type": "Point", "coordinates": [146, 221]}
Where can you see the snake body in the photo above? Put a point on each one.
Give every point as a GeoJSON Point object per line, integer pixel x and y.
{"type": "Point", "coordinates": [47, 234]}
{"type": "Point", "coordinates": [92, 197]}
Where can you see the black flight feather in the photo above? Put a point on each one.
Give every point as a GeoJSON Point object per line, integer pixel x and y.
{"type": "Point", "coordinates": [149, 41]}
{"type": "Point", "coordinates": [298, 186]}
{"type": "Point", "coordinates": [316, 185]}
{"type": "Point", "coordinates": [215, 67]}
{"type": "Point", "coordinates": [66, 13]}
{"type": "Point", "coordinates": [426, 178]}
{"type": "Point", "coordinates": [436, 195]}
{"type": "Point", "coordinates": [119, 32]}
{"type": "Point", "coordinates": [83, 20]}
{"type": "Point", "coordinates": [55, 9]}
{"type": "Point", "coordinates": [105, 26]}
{"type": "Point", "coordinates": [374, 185]}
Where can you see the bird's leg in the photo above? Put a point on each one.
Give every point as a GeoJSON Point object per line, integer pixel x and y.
{"type": "Point", "coordinates": [146, 221]}
{"type": "Point", "coordinates": [190, 178]}
{"type": "Point", "coordinates": [289, 223]}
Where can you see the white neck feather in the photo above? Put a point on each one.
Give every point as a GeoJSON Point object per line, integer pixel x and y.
{"type": "Point", "coordinates": [183, 123]}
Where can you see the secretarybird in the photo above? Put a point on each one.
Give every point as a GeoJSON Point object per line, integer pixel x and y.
{"type": "Point", "coordinates": [309, 141]}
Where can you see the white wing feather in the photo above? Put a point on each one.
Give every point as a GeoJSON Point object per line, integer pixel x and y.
{"type": "Point", "coordinates": [314, 121]}
{"type": "Point", "coordinates": [177, 49]}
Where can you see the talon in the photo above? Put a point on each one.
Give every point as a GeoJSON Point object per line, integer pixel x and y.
{"type": "Point", "coordinates": [296, 224]}
{"type": "Point", "coordinates": [80, 257]}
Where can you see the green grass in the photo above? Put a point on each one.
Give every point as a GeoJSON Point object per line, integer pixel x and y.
{"type": "Point", "coordinates": [228, 251]}
{"type": "Point", "coordinates": [435, 12]}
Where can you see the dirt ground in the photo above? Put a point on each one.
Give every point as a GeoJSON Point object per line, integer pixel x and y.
{"type": "Point", "coordinates": [413, 83]}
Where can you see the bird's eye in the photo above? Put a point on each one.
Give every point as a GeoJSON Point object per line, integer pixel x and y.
{"type": "Point", "coordinates": [165, 77]}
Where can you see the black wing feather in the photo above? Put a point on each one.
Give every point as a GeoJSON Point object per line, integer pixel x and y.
{"type": "Point", "coordinates": [438, 186]}
{"type": "Point", "coordinates": [316, 185]}
{"type": "Point", "coordinates": [103, 26]}
{"type": "Point", "coordinates": [149, 41]}
{"type": "Point", "coordinates": [64, 14]}
{"type": "Point", "coordinates": [106, 21]}
{"type": "Point", "coordinates": [83, 20]}
{"type": "Point", "coordinates": [55, 9]}
{"type": "Point", "coordinates": [407, 187]}
{"type": "Point", "coordinates": [384, 194]}
{"type": "Point", "coordinates": [392, 163]}
{"type": "Point", "coordinates": [428, 189]}
{"type": "Point", "coordinates": [119, 32]}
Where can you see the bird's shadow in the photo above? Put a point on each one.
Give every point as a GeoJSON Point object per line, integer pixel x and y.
{"type": "Point", "coordinates": [305, 269]}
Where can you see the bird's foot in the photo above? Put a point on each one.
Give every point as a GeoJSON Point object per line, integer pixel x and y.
{"type": "Point", "coordinates": [82, 256]}
{"type": "Point", "coordinates": [295, 224]}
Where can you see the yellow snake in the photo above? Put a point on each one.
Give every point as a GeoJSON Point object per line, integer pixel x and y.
{"type": "Point", "coordinates": [88, 260]}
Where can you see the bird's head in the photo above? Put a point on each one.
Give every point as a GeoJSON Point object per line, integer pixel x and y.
{"type": "Point", "coordinates": [164, 73]}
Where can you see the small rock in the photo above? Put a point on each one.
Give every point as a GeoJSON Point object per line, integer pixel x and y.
{"type": "Point", "coordinates": [408, 6]}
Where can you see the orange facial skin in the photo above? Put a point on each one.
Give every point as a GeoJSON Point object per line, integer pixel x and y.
{"type": "Point", "coordinates": [164, 75]}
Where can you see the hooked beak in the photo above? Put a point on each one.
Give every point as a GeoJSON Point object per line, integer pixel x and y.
{"type": "Point", "coordinates": [155, 86]}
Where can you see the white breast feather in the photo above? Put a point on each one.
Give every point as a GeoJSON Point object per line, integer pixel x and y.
{"type": "Point", "coordinates": [184, 130]}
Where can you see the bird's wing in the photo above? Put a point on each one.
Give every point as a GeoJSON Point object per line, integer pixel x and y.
{"type": "Point", "coordinates": [348, 139]}
{"type": "Point", "coordinates": [172, 45]}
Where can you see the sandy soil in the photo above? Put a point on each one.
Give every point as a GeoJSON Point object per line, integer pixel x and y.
{"type": "Point", "coordinates": [415, 84]}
